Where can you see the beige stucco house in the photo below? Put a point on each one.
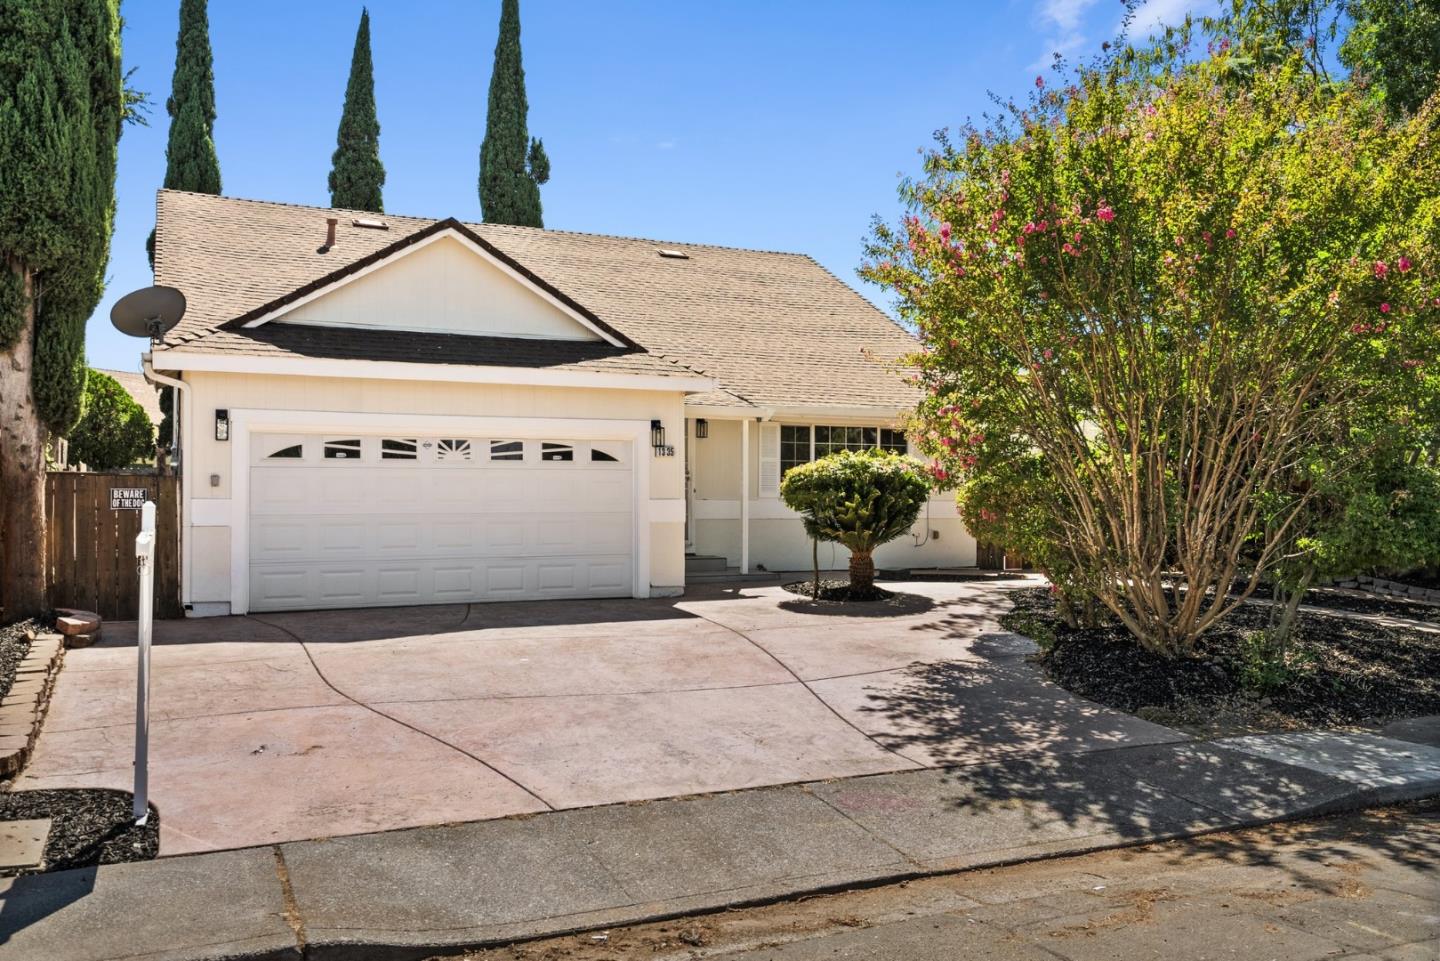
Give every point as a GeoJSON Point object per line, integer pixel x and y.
{"type": "Point", "coordinates": [384, 410]}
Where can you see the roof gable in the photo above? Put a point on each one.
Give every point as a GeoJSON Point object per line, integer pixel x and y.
{"type": "Point", "coordinates": [443, 279]}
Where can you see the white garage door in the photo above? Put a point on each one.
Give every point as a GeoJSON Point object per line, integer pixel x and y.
{"type": "Point", "coordinates": [340, 520]}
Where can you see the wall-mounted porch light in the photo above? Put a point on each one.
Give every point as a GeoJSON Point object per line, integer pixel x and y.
{"type": "Point", "coordinates": [702, 429]}
{"type": "Point", "coordinates": [222, 424]}
{"type": "Point", "coordinates": [657, 440]}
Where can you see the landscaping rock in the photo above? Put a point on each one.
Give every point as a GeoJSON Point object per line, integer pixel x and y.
{"type": "Point", "coordinates": [82, 640]}
{"type": "Point", "coordinates": [77, 622]}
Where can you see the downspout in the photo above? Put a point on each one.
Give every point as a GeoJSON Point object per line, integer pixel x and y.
{"type": "Point", "coordinates": [180, 414]}
{"type": "Point", "coordinates": [745, 496]}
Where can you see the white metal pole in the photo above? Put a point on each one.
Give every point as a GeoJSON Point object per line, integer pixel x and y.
{"type": "Point", "coordinates": [144, 558]}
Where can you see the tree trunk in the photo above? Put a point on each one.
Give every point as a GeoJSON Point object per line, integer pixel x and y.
{"type": "Point", "coordinates": [862, 571]}
{"type": "Point", "coordinates": [22, 478]}
{"type": "Point", "coordinates": [815, 561]}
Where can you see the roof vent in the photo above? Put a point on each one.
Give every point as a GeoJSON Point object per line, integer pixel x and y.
{"type": "Point", "coordinates": [370, 223]}
{"type": "Point", "coordinates": [673, 254]}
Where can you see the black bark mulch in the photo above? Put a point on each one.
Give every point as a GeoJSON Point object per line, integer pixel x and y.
{"type": "Point", "coordinates": [838, 591]}
{"type": "Point", "coordinates": [1345, 672]}
{"type": "Point", "coordinates": [89, 826]}
{"type": "Point", "coordinates": [1375, 604]}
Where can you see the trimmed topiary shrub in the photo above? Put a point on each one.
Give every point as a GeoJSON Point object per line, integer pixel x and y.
{"type": "Point", "coordinates": [860, 499]}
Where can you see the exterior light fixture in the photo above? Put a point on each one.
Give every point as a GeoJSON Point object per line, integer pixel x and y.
{"type": "Point", "coordinates": [702, 429]}
{"type": "Point", "coordinates": [222, 424]}
{"type": "Point", "coordinates": [657, 440]}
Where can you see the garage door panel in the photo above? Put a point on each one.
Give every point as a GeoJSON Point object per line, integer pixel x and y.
{"type": "Point", "coordinates": [366, 531]}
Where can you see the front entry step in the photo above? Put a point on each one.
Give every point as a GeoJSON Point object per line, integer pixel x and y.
{"type": "Point", "coordinates": [703, 563]}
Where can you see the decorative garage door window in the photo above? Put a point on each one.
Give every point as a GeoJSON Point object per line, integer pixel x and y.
{"type": "Point", "coordinates": [342, 449]}
{"type": "Point", "coordinates": [507, 450]}
{"type": "Point", "coordinates": [450, 452]}
{"type": "Point", "coordinates": [393, 448]}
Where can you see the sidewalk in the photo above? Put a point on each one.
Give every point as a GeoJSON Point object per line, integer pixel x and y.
{"type": "Point", "coordinates": [407, 894]}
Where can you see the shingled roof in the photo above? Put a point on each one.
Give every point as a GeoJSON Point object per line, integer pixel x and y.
{"type": "Point", "coordinates": [775, 329]}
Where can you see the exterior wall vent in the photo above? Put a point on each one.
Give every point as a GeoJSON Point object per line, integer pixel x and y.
{"type": "Point", "coordinates": [371, 224]}
{"type": "Point", "coordinates": [673, 254]}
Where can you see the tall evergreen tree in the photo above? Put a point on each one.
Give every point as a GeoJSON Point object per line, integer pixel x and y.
{"type": "Point", "coordinates": [62, 102]}
{"type": "Point", "coordinates": [191, 162]}
{"type": "Point", "coordinates": [356, 174]}
{"type": "Point", "coordinates": [512, 166]}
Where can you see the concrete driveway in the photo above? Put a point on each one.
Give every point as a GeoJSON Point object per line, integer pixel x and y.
{"type": "Point", "coordinates": [282, 727]}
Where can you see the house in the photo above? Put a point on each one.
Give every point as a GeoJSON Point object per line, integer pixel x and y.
{"type": "Point", "coordinates": [384, 410]}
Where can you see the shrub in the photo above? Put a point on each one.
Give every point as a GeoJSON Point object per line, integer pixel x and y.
{"type": "Point", "coordinates": [860, 499]}
{"type": "Point", "coordinates": [114, 431]}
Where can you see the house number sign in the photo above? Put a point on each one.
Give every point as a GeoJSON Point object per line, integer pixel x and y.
{"type": "Point", "coordinates": [127, 498]}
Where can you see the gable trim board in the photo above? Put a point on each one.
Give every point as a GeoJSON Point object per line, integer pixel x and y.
{"type": "Point", "coordinates": [419, 240]}
{"type": "Point", "coordinates": [246, 423]}
{"type": "Point", "coordinates": [684, 380]}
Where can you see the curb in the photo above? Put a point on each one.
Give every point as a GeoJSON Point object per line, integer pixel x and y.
{"type": "Point", "coordinates": [320, 947]}
{"type": "Point", "coordinates": [22, 709]}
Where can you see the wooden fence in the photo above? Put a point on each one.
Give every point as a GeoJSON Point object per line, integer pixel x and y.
{"type": "Point", "coordinates": [90, 550]}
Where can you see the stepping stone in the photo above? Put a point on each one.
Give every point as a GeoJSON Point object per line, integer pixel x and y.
{"type": "Point", "coordinates": [72, 621]}
{"type": "Point", "coordinates": [22, 843]}
{"type": "Point", "coordinates": [82, 640]}
{"type": "Point", "coordinates": [1367, 760]}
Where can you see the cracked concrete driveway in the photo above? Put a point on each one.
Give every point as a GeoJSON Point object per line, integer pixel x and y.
{"type": "Point", "coordinates": [281, 727]}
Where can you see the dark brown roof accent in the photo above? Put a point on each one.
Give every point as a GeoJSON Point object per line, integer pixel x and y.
{"type": "Point", "coordinates": [413, 347]}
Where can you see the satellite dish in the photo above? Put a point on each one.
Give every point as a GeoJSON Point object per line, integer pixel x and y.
{"type": "Point", "coordinates": [148, 312]}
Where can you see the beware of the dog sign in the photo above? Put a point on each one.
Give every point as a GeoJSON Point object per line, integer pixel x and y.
{"type": "Point", "coordinates": [127, 498]}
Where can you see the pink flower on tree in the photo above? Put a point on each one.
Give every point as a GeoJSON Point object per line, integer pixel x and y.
{"type": "Point", "coordinates": [1230, 233]}
{"type": "Point", "coordinates": [1039, 83]}
{"type": "Point", "coordinates": [1385, 308]}
{"type": "Point", "coordinates": [1105, 214]}
{"type": "Point", "coordinates": [1403, 263]}
{"type": "Point", "coordinates": [1381, 268]}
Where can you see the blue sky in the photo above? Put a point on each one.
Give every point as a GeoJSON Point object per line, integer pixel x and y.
{"type": "Point", "coordinates": [781, 126]}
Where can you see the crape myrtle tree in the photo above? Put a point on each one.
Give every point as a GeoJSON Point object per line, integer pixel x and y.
{"type": "Point", "coordinates": [114, 431]}
{"type": "Point", "coordinates": [356, 174]}
{"type": "Point", "coordinates": [861, 499]}
{"type": "Point", "coordinates": [1155, 292]}
{"type": "Point", "coordinates": [1391, 48]}
{"type": "Point", "coordinates": [62, 102]}
{"type": "Point", "coordinates": [512, 165]}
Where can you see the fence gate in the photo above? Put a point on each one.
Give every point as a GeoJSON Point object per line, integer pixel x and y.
{"type": "Point", "coordinates": [90, 548]}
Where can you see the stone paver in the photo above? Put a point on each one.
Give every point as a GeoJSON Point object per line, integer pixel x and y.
{"type": "Point", "coordinates": [22, 843]}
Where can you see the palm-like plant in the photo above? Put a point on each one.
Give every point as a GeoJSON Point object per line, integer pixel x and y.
{"type": "Point", "coordinates": [861, 499]}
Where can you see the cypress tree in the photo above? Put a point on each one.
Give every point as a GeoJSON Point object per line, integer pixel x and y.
{"type": "Point", "coordinates": [356, 174]}
{"type": "Point", "coordinates": [191, 162]}
{"type": "Point", "coordinates": [62, 102]}
{"type": "Point", "coordinates": [512, 166]}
